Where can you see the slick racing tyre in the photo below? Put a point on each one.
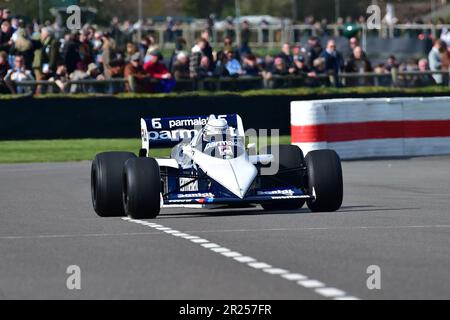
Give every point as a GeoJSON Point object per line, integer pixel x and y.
{"type": "Point", "coordinates": [324, 180]}
{"type": "Point", "coordinates": [141, 188]}
{"type": "Point", "coordinates": [106, 183]}
{"type": "Point", "coordinates": [289, 158]}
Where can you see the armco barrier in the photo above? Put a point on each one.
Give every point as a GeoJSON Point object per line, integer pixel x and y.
{"type": "Point", "coordinates": [364, 128]}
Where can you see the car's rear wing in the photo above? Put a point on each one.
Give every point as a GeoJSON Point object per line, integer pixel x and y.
{"type": "Point", "coordinates": [166, 132]}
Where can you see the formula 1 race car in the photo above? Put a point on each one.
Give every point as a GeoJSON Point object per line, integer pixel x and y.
{"type": "Point", "coordinates": [210, 166]}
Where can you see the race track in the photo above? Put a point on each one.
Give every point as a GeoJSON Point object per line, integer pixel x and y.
{"type": "Point", "coordinates": [396, 215]}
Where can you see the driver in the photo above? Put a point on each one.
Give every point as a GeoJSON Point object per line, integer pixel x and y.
{"type": "Point", "coordinates": [215, 138]}
{"type": "Point", "coordinates": [215, 128]}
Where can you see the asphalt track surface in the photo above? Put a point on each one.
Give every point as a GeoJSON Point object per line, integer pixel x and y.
{"type": "Point", "coordinates": [396, 215]}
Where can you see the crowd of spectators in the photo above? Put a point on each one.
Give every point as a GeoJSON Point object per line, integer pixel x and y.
{"type": "Point", "coordinates": [36, 52]}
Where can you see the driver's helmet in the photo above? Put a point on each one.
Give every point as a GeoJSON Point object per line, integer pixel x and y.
{"type": "Point", "coordinates": [214, 129]}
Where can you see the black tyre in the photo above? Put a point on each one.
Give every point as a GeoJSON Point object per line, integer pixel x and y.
{"type": "Point", "coordinates": [325, 178]}
{"type": "Point", "coordinates": [106, 183]}
{"type": "Point", "coordinates": [141, 188]}
{"type": "Point", "coordinates": [290, 158]}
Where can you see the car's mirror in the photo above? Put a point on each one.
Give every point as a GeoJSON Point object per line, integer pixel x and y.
{"type": "Point", "coordinates": [251, 147]}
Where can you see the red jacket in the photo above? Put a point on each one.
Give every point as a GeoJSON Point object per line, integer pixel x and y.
{"type": "Point", "coordinates": [156, 69]}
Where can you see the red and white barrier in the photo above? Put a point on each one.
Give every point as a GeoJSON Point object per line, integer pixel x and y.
{"type": "Point", "coordinates": [363, 128]}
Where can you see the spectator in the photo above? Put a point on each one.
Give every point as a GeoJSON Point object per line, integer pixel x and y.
{"type": "Point", "coordinates": [287, 58]}
{"type": "Point", "coordinates": [264, 25]}
{"type": "Point", "coordinates": [314, 50]}
{"type": "Point", "coordinates": [86, 50]}
{"type": "Point", "coordinates": [250, 66]}
{"type": "Point", "coordinates": [132, 49]}
{"type": "Point", "coordinates": [196, 56]}
{"type": "Point", "coordinates": [391, 64]}
{"type": "Point", "coordinates": [385, 79]}
{"type": "Point", "coordinates": [4, 66]}
{"type": "Point", "coordinates": [180, 45]}
{"type": "Point", "coordinates": [267, 63]}
{"type": "Point", "coordinates": [358, 63]}
{"type": "Point", "coordinates": [18, 74]}
{"type": "Point", "coordinates": [229, 28]}
{"type": "Point", "coordinates": [138, 78]}
{"type": "Point", "coordinates": [157, 70]}
{"type": "Point", "coordinates": [169, 29]}
{"type": "Point", "coordinates": [107, 54]}
{"type": "Point", "coordinates": [97, 44]}
{"type": "Point", "coordinates": [245, 39]}
{"type": "Point", "coordinates": [425, 79]}
{"type": "Point", "coordinates": [116, 71]}
{"type": "Point", "coordinates": [46, 56]}
{"type": "Point", "coordinates": [5, 86]}
{"type": "Point", "coordinates": [6, 16]}
{"type": "Point", "coordinates": [220, 69]}
{"type": "Point", "coordinates": [279, 67]}
{"type": "Point", "coordinates": [61, 77]}
{"type": "Point", "coordinates": [23, 46]}
{"type": "Point", "coordinates": [94, 73]}
{"type": "Point", "coordinates": [180, 68]}
{"type": "Point", "coordinates": [115, 28]}
{"type": "Point", "coordinates": [299, 51]}
{"type": "Point", "coordinates": [333, 61]}
{"type": "Point", "coordinates": [14, 24]}
{"type": "Point", "coordinates": [232, 65]}
{"type": "Point", "coordinates": [353, 43]}
{"type": "Point", "coordinates": [228, 46]}
{"type": "Point", "coordinates": [207, 50]}
{"type": "Point", "coordinates": [210, 22]}
{"type": "Point", "coordinates": [71, 52]}
{"type": "Point", "coordinates": [143, 46]}
{"type": "Point", "coordinates": [6, 33]}
{"type": "Point", "coordinates": [204, 70]}
{"type": "Point", "coordinates": [445, 36]}
{"type": "Point", "coordinates": [308, 74]}
{"type": "Point", "coordinates": [434, 58]}
{"type": "Point", "coordinates": [152, 45]}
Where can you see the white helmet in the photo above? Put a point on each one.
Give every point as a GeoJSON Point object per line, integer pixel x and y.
{"type": "Point", "coordinates": [215, 126]}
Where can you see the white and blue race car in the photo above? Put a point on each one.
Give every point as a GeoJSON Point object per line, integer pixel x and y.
{"type": "Point", "coordinates": [210, 166]}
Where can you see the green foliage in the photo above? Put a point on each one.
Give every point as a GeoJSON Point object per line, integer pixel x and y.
{"type": "Point", "coordinates": [299, 92]}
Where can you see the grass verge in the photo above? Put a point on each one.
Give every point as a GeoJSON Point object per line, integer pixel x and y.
{"type": "Point", "coordinates": [72, 150]}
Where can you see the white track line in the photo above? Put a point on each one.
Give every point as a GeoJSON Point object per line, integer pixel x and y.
{"type": "Point", "coordinates": [316, 286]}
{"type": "Point", "coordinates": [437, 226]}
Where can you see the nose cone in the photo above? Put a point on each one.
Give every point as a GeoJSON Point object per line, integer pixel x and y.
{"type": "Point", "coordinates": [244, 174]}
{"type": "Point", "coordinates": [236, 175]}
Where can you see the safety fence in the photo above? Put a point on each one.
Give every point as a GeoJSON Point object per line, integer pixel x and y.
{"type": "Point", "coordinates": [394, 78]}
{"type": "Point", "coordinates": [271, 36]}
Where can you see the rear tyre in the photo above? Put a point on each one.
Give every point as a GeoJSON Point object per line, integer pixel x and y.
{"type": "Point", "coordinates": [290, 157]}
{"type": "Point", "coordinates": [324, 180]}
{"type": "Point", "coordinates": [106, 183]}
{"type": "Point", "coordinates": [141, 188]}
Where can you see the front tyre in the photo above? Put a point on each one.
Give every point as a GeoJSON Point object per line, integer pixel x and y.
{"type": "Point", "coordinates": [290, 158]}
{"type": "Point", "coordinates": [141, 188]}
{"type": "Point", "coordinates": [106, 183]}
{"type": "Point", "coordinates": [324, 180]}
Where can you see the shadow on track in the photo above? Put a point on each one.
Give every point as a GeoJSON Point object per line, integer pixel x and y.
{"type": "Point", "coordinates": [190, 213]}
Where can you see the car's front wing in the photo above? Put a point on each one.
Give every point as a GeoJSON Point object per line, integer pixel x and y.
{"type": "Point", "coordinates": [262, 197]}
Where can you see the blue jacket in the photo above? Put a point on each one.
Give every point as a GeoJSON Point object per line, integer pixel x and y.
{"type": "Point", "coordinates": [333, 62]}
